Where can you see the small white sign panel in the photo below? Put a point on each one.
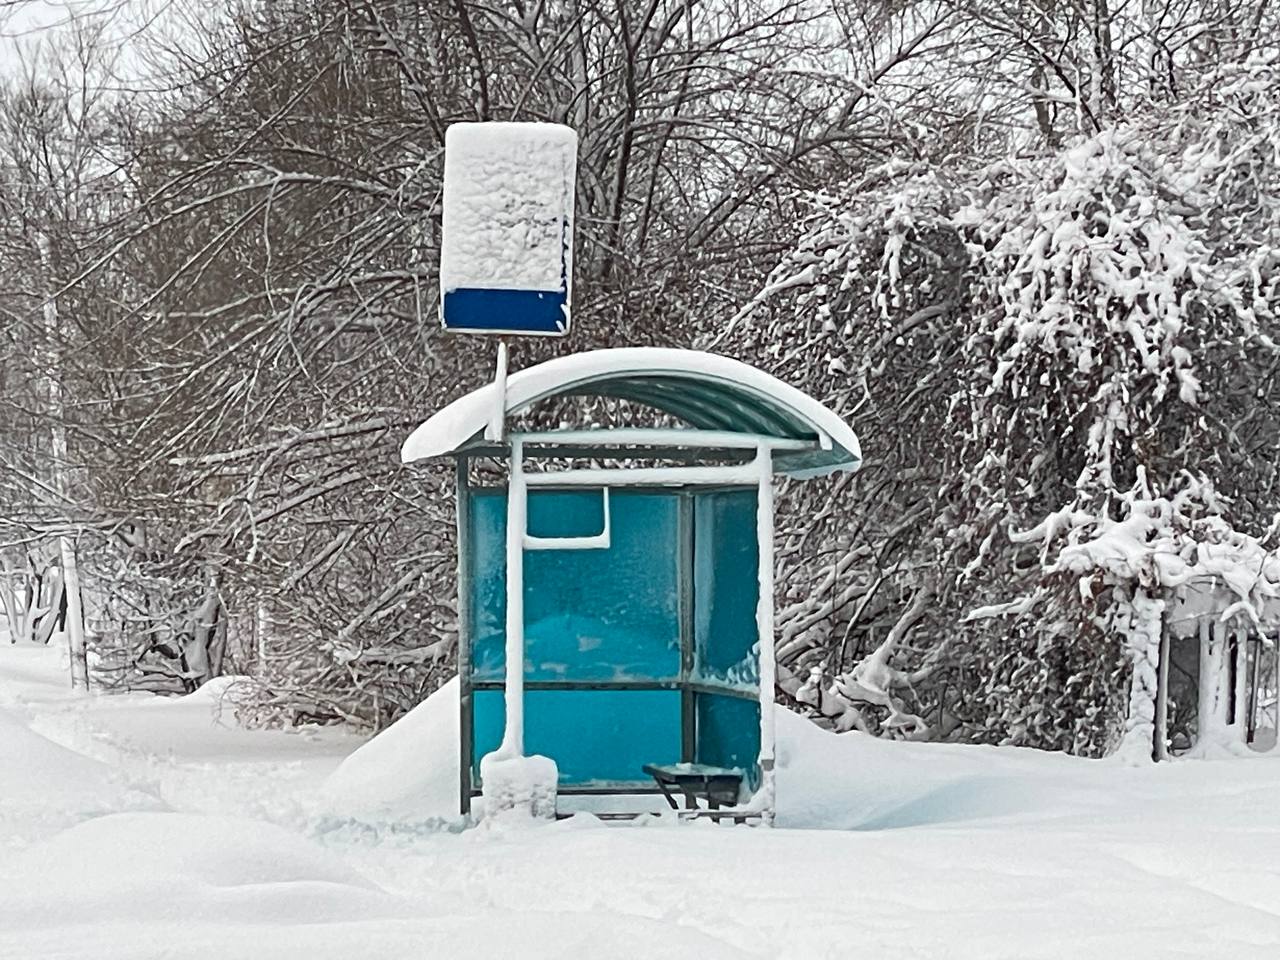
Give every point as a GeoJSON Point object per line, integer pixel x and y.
{"type": "Point", "coordinates": [506, 260]}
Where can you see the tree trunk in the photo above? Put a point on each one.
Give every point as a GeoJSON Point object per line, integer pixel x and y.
{"type": "Point", "coordinates": [1214, 722]}
{"type": "Point", "coordinates": [74, 615]}
{"type": "Point", "coordinates": [58, 466]}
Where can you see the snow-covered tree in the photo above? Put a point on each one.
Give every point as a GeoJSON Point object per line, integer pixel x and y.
{"type": "Point", "coordinates": [1032, 345]}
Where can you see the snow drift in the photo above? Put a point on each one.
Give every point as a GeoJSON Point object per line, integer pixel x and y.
{"type": "Point", "coordinates": [409, 774]}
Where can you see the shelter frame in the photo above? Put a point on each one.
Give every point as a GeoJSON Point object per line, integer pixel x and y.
{"type": "Point", "coordinates": [741, 425]}
{"type": "Point", "coordinates": [755, 474]}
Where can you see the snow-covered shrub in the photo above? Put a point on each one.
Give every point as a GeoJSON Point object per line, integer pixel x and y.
{"type": "Point", "coordinates": [1036, 344]}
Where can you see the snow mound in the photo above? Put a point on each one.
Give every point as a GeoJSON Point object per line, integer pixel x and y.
{"type": "Point", "coordinates": [519, 787]}
{"type": "Point", "coordinates": [44, 784]}
{"type": "Point", "coordinates": [407, 773]}
{"type": "Point", "coordinates": [852, 781]}
{"type": "Point", "coordinates": [182, 867]}
{"type": "Point", "coordinates": [218, 691]}
{"type": "Point", "coordinates": [213, 850]}
{"type": "Point", "coordinates": [849, 781]}
{"type": "Point", "coordinates": [35, 769]}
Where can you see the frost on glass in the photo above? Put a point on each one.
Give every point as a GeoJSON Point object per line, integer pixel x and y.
{"type": "Point", "coordinates": [597, 614]}
{"type": "Point", "coordinates": [725, 551]}
{"type": "Point", "coordinates": [729, 733]}
{"type": "Point", "coordinates": [487, 570]}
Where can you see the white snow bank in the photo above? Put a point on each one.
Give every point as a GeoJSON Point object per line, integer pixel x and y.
{"type": "Point", "coordinates": [33, 768]}
{"type": "Point", "coordinates": [182, 867]}
{"type": "Point", "coordinates": [852, 781]}
{"type": "Point", "coordinates": [219, 690]}
{"type": "Point", "coordinates": [35, 673]}
{"type": "Point", "coordinates": [43, 784]}
{"type": "Point", "coordinates": [407, 773]}
{"type": "Point", "coordinates": [1178, 859]}
{"type": "Point", "coordinates": [218, 851]}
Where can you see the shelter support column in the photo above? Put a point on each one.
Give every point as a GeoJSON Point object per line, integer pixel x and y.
{"type": "Point", "coordinates": [466, 725]}
{"type": "Point", "coordinates": [764, 624]}
{"type": "Point", "coordinates": [517, 505]}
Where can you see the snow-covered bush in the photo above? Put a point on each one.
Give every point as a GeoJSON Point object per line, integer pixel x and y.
{"type": "Point", "coordinates": [1073, 345]}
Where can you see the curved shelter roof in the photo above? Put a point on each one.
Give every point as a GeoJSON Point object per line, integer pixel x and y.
{"type": "Point", "coordinates": [706, 391]}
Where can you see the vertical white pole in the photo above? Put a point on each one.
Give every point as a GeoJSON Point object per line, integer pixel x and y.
{"type": "Point", "coordinates": [498, 416]}
{"type": "Point", "coordinates": [764, 623]}
{"type": "Point", "coordinates": [1241, 718]}
{"type": "Point", "coordinates": [1162, 699]}
{"type": "Point", "coordinates": [513, 733]}
{"type": "Point", "coordinates": [1275, 692]}
{"type": "Point", "coordinates": [1205, 695]}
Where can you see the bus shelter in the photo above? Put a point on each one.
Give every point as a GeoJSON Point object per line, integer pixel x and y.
{"type": "Point", "coordinates": [628, 571]}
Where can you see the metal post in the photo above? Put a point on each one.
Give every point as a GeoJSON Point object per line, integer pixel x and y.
{"type": "Point", "coordinates": [1240, 716]}
{"type": "Point", "coordinates": [1207, 692]}
{"type": "Point", "coordinates": [1161, 746]}
{"type": "Point", "coordinates": [498, 416]}
{"type": "Point", "coordinates": [688, 699]}
{"type": "Point", "coordinates": [764, 623]}
{"type": "Point", "coordinates": [1254, 662]}
{"type": "Point", "coordinates": [517, 494]}
{"type": "Point", "coordinates": [466, 718]}
{"type": "Point", "coordinates": [1275, 691]}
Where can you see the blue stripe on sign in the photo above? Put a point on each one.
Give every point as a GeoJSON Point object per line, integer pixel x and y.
{"type": "Point", "coordinates": [507, 311]}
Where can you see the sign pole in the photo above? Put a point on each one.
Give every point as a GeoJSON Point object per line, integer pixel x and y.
{"type": "Point", "coordinates": [498, 416]}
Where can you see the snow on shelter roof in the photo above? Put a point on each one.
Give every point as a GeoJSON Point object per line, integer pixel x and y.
{"type": "Point", "coordinates": [707, 391]}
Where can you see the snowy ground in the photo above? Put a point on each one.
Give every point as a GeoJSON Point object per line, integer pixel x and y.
{"type": "Point", "coordinates": [133, 827]}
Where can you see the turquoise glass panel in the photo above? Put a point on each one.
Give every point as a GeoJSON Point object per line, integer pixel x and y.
{"type": "Point", "coordinates": [729, 733]}
{"type": "Point", "coordinates": [487, 573]}
{"type": "Point", "coordinates": [595, 614]}
{"type": "Point", "coordinates": [593, 735]}
{"type": "Point", "coordinates": [725, 589]}
{"type": "Point", "coordinates": [565, 513]}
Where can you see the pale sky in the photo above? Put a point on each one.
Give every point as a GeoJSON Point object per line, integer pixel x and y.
{"type": "Point", "coordinates": [28, 26]}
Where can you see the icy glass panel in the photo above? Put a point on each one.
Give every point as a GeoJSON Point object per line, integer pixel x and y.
{"type": "Point", "coordinates": [725, 589]}
{"type": "Point", "coordinates": [488, 575]}
{"type": "Point", "coordinates": [566, 513]}
{"type": "Point", "coordinates": [596, 614]}
{"type": "Point", "coordinates": [592, 735]}
{"type": "Point", "coordinates": [729, 733]}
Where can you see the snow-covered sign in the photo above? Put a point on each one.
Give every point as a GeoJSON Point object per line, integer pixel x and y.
{"type": "Point", "coordinates": [506, 261]}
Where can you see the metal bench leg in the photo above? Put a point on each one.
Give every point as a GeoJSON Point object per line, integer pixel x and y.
{"type": "Point", "coordinates": [671, 801]}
